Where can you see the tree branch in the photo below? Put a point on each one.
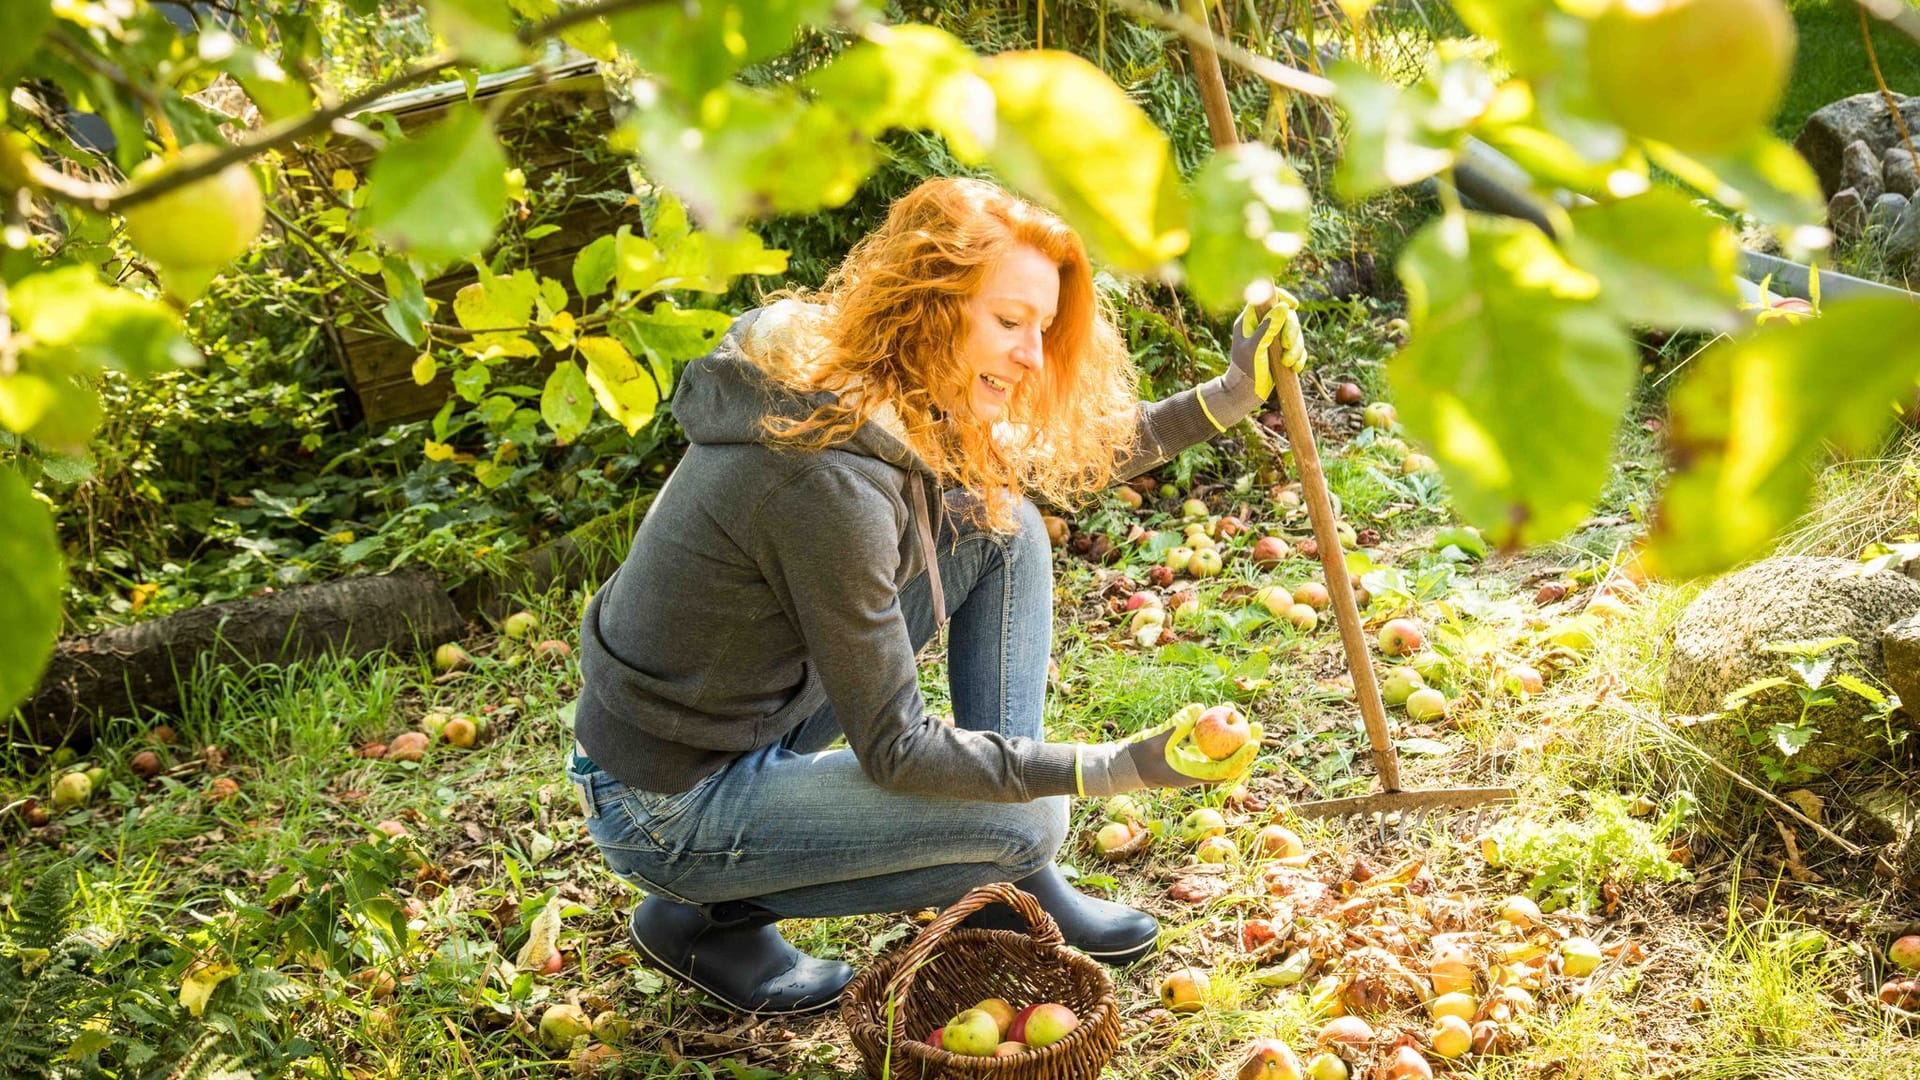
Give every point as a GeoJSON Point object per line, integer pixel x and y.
{"type": "Point", "coordinates": [103, 197]}
{"type": "Point", "coordinates": [1195, 33]}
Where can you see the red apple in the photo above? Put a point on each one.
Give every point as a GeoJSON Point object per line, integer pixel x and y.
{"type": "Point", "coordinates": [1402, 637]}
{"type": "Point", "coordinates": [1906, 952]}
{"type": "Point", "coordinates": [1313, 594]}
{"type": "Point", "coordinates": [1270, 1059]}
{"type": "Point", "coordinates": [1220, 732]}
{"type": "Point", "coordinates": [1048, 1024]}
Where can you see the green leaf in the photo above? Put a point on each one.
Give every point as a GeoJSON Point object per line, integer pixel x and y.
{"type": "Point", "coordinates": [761, 151]}
{"type": "Point", "coordinates": [1766, 177]}
{"type": "Point", "coordinates": [480, 30]}
{"type": "Point", "coordinates": [471, 382]}
{"type": "Point", "coordinates": [1071, 138]}
{"type": "Point", "coordinates": [83, 324]}
{"type": "Point", "coordinates": [593, 267]}
{"type": "Point", "coordinates": [671, 335]}
{"type": "Point", "coordinates": [1400, 137]}
{"type": "Point", "coordinates": [1661, 260]}
{"type": "Point", "coordinates": [624, 388]}
{"type": "Point", "coordinates": [911, 77]}
{"type": "Point", "coordinates": [439, 196]}
{"type": "Point", "coordinates": [567, 402]}
{"type": "Point", "coordinates": [695, 48]}
{"type": "Point", "coordinates": [404, 321]}
{"type": "Point", "coordinates": [1514, 376]}
{"type": "Point", "coordinates": [1753, 417]}
{"type": "Point", "coordinates": [22, 23]}
{"type": "Point", "coordinates": [1862, 689]}
{"type": "Point", "coordinates": [708, 262]}
{"type": "Point", "coordinates": [32, 579]}
{"type": "Point", "coordinates": [1250, 214]}
{"type": "Point", "coordinates": [54, 409]}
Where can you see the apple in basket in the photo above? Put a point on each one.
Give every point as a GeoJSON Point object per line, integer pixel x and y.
{"type": "Point", "coordinates": [1042, 1025]}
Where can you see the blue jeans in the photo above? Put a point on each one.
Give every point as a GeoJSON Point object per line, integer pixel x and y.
{"type": "Point", "coordinates": [800, 830]}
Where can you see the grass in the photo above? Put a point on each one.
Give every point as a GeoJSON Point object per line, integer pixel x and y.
{"type": "Point", "coordinates": [1831, 62]}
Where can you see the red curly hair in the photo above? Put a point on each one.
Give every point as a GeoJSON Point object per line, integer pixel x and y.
{"type": "Point", "coordinates": [887, 329]}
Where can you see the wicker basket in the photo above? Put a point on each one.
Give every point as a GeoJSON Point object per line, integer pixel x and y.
{"type": "Point", "coordinates": [947, 970]}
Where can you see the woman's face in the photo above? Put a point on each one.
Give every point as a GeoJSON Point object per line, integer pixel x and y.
{"type": "Point", "coordinates": [1015, 304]}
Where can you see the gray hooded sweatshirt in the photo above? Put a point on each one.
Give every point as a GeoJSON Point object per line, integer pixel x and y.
{"type": "Point", "coordinates": [764, 583]}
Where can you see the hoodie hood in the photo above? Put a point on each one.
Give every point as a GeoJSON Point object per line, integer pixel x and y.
{"type": "Point", "coordinates": [724, 396]}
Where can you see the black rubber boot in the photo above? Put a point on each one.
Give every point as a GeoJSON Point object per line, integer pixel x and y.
{"type": "Point", "coordinates": [1110, 933]}
{"type": "Point", "coordinates": [735, 953]}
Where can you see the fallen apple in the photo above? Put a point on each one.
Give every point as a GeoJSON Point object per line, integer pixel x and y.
{"type": "Point", "coordinates": [1905, 952]}
{"type": "Point", "coordinates": [594, 1059]}
{"type": "Point", "coordinates": [1451, 1037]}
{"type": "Point", "coordinates": [1456, 1003]}
{"type": "Point", "coordinates": [1152, 615]}
{"type": "Point", "coordinates": [1313, 594]}
{"type": "Point", "coordinates": [1275, 598]}
{"type": "Point", "coordinates": [1328, 1065]}
{"type": "Point", "coordinates": [1401, 637]}
{"type": "Point", "coordinates": [520, 624]}
{"type": "Point", "coordinates": [1185, 990]}
{"type": "Point", "coordinates": [1113, 836]}
{"type": "Point", "coordinates": [611, 1027]}
{"type": "Point", "coordinates": [1426, 703]}
{"type": "Point", "coordinates": [460, 731]}
{"type": "Point", "coordinates": [1269, 1059]}
{"type": "Point", "coordinates": [407, 746]}
{"type": "Point", "coordinates": [1579, 957]}
{"type": "Point", "coordinates": [1160, 576]}
{"type": "Point", "coordinates": [1302, 617]}
{"type": "Point", "coordinates": [72, 790]}
{"type": "Point", "coordinates": [451, 657]}
{"type": "Point", "coordinates": [1176, 558]}
{"type": "Point", "coordinates": [1220, 732]}
{"type": "Point", "coordinates": [1408, 1064]}
{"type": "Point", "coordinates": [561, 1024]}
{"type": "Point", "coordinates": [1349, 393]}
{"type": "Point", "coordinates": [552, 649]}
{"type": "Point", "coordinates": [145, 765]}
{"type": "Point", "coordinates": [222, 788]}
{"type": "Point", "coordinates": [1194, 508]}
{"type": "Point", "coordinates": [1348, 1031]}
{"type": "Point", "coordinates": [1200, 824]}
{"type": "Point", "coordinates": [1123, 808]}
{"type": "Point", "coordinates": [1527, 678]}
{"type": "Point", "coordinates": [1058, 530]}
{"type": "Point", "coordinates": [1217, 850]}
{"type": "Point", "coordinates": [1399, 683]}
{"type": "Point", "coordinates": [1229, 527]}
{"type": "Point", "coordinates": [1380, 416]}
{"type": "Point", "coordinates": [392, 829]}
{"type": "Point", "coordinates": [1205, 563]}
{"type": "Point", "coordinates": [1451, 973]}
{"type": "Point", "coordinates": [1280, 842]}
{"type": "Point", "coordinates": [1520, 912]}
{"type": "Point", "coordinates": [1128, 496]}
{"type": "Point", "coordinates": [1140, 598]}
{"type": "Point", "coordinates": [1269, 552]}
{"type": "Point", "coordinates": [1607, 606]}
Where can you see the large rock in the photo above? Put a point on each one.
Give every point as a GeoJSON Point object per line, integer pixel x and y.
{"type": "Point", "coordinates": [1898, 172]}
{"type": "Point", "coordinates": [1860, 170]}
{"type": "Point", "coordinates": [1862, 117]}
{"type": "Point", "coordinates": [1719, 646]}
{"type": "Point", "coordinates": [1904, 238]}
{"type": "Point", "coordinates": [1847, 214]}
{"type": "Point", "coordinates": [1885, 214]}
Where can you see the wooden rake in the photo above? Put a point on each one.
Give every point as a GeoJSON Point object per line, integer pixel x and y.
{"type": "Point", "coordinates": [1391, 806]}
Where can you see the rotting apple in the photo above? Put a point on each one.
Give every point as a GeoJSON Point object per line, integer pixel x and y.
{"type": "Point", "coordinates": [561, 1024]}
{"type": "Point", "coordinates": [1218, 850]}
{"type": "Point", "coordinates": [1058, 530]}
{"type": "Point", "coordinates": [1401, 637]}
{"type": "Point", "coordinates": [1279, 842]}
{"type": "Point", "coordinates": [407, 746]}
{"type": "Point", "coordinates": [460, 731]}
{"type": "Point", "coordinates": [146, 765]}
{"type": "Point", "coordinates": [1269, 1059]}
{"type": "Point", "coordinates": [1185, 990]}
{"type": "Point", "coordinates": [1220, 732]}
{"type": "Point", "coordinates": [1348, 1031]}
{"type": "Point", "coordinates": [1407, 1063]}
{"type": "Point", "coordinates": [1129, 496]}
{"type": "Point", "coordinates": [1270, 551]}
{"type": "Point", "coordinates": [1520, 912]}
{"type": "Point", "coordinates": [1349, 393]}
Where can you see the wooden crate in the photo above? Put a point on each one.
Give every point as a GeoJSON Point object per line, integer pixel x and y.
{"type": "Point", "coordinates": [553, 119]}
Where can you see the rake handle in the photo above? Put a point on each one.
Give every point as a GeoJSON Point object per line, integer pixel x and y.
{"type": "Point", "coordinates": [1313, 482]}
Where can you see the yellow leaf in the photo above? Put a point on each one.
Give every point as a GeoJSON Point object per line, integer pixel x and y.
{"type": "Point", "coordinates": [624, 388]}
{"type": "Point", "coordinates": [425, 367]}
{"type": "Point", "coordinates": [345, 180]}
{"type": "Point", "coordinates": [142, 593]}
{"type": "Point", "coordinates": [439, 451]}
{"type": "Point", "coordinates": [344, 536]}
{"type": "Point", "coordinates": [200, 981]}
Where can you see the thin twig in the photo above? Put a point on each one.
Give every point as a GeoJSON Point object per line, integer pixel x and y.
{"type": "Point", "coordinates": [1271, 71]}
{"type": "Point", "coordinates": [1844, 844]}
{"type": "Point", "coordinates": [119, 197]}
{"type": "Point", "coordinates": [1873, 61]}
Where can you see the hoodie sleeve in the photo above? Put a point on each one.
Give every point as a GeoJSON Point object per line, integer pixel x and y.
{"type": "Point", "coordinates": [1172, 424]}
{"type": "Point", "coordinates": [829, 540]}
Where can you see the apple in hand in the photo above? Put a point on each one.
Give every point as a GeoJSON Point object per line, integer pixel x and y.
{"type": "Point", "coordinates": [1220, 732]}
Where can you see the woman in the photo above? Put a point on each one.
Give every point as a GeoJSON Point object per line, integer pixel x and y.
{"type": "Point", "coordinates": [857, 477]}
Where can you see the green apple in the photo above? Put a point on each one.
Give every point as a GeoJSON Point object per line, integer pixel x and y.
{"type": "Point", "coordinates": [1400, 681]}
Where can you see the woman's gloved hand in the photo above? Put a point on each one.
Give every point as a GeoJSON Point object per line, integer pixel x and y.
{"type": "Point", "coordinates": [1163, 757]}
{"type": "Point", "coordinates": [1249, 378]}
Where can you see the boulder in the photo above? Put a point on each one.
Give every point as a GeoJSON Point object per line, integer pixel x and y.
{"type": "Point", "coordinates": [1885, 214]}
{"type": "Point", "coordinates": [1900, 651]}
{"type": "Point", "coordinates": [1719, 646]}
{"type": "Point", "coordinates": [1823, 140]}
{"type": "Point", "coordinates": [1904, 239]}
{"type": "Point", "coordinates": [1847, 214]}
{"type": "Point", "coordinates": [1860, 170]}
{"type": "Point", "coordinates": [1898, 172]}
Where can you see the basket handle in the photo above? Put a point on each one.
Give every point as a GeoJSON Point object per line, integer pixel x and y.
{"type": "Point", "coordinates": [1039, 924]}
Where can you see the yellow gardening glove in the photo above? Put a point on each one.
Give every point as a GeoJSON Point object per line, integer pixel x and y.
{"type": "Point", "coordinates": [1282, 323]}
